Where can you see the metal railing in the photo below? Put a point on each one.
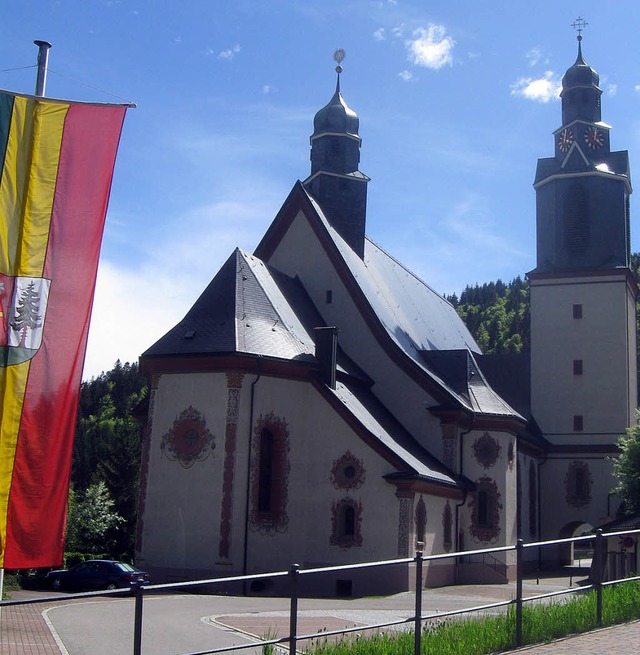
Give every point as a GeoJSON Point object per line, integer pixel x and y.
{"type": "Point", "coordinates": [417, 620]}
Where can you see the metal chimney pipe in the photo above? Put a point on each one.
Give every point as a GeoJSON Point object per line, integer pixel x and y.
{"type": "Point", "coordinates": [327, 353]}
{"type": "Point", "coordinates": [43, 59]}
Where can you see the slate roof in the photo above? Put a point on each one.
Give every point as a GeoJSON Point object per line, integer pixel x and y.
{"type": "Point", "coordinates": [613, 163]}
{"type": "Point", "coordinates": [242, 310]}
{"type": "Point", "coordinates": [424, 325]}
{"type": "Point", "coordinates": [384, 428]}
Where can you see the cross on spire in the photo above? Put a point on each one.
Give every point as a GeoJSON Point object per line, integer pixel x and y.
{"type": "Point", "coordinates": [579, 24]}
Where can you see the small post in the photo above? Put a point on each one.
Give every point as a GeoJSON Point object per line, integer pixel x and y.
{"type": "Point", "coordinates": [600, 561]}
{"type": "Point", "coordinates": [294, 573]}
{"type": "Point", "coordinates": [417, 637]}
{"type": "Point", "coordinates": [137, 623]}
{"type": "Point", "coordinates": [43, 59]}
{"type": "Point", "coordinates": [519, 599]}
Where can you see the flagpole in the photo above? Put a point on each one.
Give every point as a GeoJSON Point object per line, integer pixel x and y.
{"type": "Point", "coordinates": [41, 83]}
{"type": "Point", "coordinates": [43, 59]}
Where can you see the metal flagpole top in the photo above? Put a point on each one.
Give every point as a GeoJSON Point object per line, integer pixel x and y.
{"type": "Point", "coordinates": [43, 58]}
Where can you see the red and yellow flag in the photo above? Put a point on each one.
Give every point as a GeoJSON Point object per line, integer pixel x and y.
{"type": "Point", "coordinates": [57, 163]}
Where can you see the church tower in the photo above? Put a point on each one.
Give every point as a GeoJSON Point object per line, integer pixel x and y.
{"type": "Point", "coordinates": [335, 181]}
{"type": "Point", "coordinates": [583, 325]}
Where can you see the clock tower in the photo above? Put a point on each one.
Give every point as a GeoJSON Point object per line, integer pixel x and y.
{"type": "Point", "coordinates": [583, 322]}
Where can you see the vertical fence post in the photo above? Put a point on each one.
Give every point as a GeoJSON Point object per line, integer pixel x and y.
{"type": "Point", "coordinates": [137, 623]}
{"type": "Point", "coordinates": [418, 617]}
{"type": "Point", "coordinates": [600, 561]}
{"type": "Point", "coordinates": [294, 572]}
{"type": "Point", "coordinates": [519, 575]}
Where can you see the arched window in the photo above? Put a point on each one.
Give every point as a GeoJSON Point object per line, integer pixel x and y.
{"type": "Point", "coordinates": [265, 471]}
{"type": "Point", "coordinates": [578, 483]}
{"type": "Point", "coordinates": [485, 514]}
{"type": "Point", "coordinates": [346, 522]}
{"type": "Point", "coordinates": [447, 524]}
{"type": "Point", "coordinates": [269, 475]}
{"type": "Point", "coordinates": [421, 520]}
{"type": "Point", "coordinates": [533, 502]}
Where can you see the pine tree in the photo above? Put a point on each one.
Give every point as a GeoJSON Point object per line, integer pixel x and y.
{"type": "Point", "coordinates": [27, 317]}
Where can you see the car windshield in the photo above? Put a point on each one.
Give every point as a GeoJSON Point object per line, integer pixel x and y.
{"type": "Point", "coordinates": [125, 567]}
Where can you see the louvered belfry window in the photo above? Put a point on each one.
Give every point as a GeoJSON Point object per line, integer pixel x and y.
{"type": "Point", "coordinates": [576, 220]}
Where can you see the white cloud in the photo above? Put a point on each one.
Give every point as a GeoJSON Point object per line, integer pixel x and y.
{"type": "Point", "coordinates": [406, 76]}
{"type": "Point", "coordinates": [267, 89]}
{"type": "Point", "coordinates": [230, 53]}
{"type": "Point", "coordinates": [541, 89]}
{"type": "Point", "coordinates": [536, 56]}
{"type": "Point", "coordinates": [612, 89]}
{"type": "Point", "coordinates": [380, 35]}
{"type": "Point", "coordinates": [431, 47]}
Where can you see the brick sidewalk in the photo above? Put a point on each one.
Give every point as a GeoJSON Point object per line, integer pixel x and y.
{"type": "Point", "coordinates": [24, 631]}
{"type": "Point", "coordinates": [617, 640]}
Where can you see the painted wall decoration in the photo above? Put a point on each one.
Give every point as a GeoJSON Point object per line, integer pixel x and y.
{"type": "Point", "coordinates": [188, 441]}
{"type": "Point", "coordinates": [270, 469]}
{"type": "Point", "coordinates": [348, 472]}
{"type": "Point", "coordinates": [486, 450]}
{"type": "Point", "coordinates": [234, 385]}
{"type": "Point", "coordinates": [405, 514]}
{"type": "Point", "coordinates": [578, 483]}
{"type": "Point", "coordinates": [346, 523]}
{"type": "Point", "coordinates": [485, 512]}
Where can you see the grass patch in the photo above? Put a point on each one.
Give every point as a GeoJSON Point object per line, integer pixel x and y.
{"type": "Point", "coordinates": [494, 634]}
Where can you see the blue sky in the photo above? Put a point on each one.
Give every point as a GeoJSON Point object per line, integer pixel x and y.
{"type": "Point", "coordinates": [456, 100]}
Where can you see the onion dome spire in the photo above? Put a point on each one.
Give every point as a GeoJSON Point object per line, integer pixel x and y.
{"type": "Point", "coordinates": [335, 181]}
{"type": "Point", "coordinates": [580, 91]}
{"type": "Point", "coordinates": [336, 116]}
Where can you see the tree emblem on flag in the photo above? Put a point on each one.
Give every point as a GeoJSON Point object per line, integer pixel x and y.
{"type": "Point", "coordinates": [23, 305]}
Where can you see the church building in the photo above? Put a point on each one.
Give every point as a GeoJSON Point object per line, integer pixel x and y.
{"type": "Point", "coordinates": [321, 405]}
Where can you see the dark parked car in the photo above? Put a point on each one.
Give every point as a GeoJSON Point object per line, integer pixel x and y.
{"type": "Point", "coordinates": [98, 574]}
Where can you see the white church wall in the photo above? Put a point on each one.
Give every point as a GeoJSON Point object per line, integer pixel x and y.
{"type": "Point", "coordinates": [182, 493]}
{"type": "Point", "coordinates": [601, 393]}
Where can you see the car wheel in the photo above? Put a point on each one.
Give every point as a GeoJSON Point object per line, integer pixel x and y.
{"type": "Point", "coordinates": [111, 586]}
{"type": "Point", "coordinates": [56, 583]}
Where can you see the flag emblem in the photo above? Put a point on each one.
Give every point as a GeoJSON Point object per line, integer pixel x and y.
{"type": "Point", "coordinates": [23, 308]}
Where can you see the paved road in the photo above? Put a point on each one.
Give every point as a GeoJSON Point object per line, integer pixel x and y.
{"type": "Point", "coordinates": [190, 623]}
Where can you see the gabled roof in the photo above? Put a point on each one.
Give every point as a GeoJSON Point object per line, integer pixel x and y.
{"type": "Point", "coordinates": [407, 314]}
{"type": "Point", "coordinates": [242, 310]}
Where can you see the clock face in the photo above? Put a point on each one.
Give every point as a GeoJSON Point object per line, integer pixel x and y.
{"type": "Point", "coordinates": [565, 139]}
{"type": "Point", "coordinates": [594, 138]}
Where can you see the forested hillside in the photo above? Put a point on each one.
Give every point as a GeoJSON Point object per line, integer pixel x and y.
{"type": "Point", "coordinates": [106, 464]}
{"type": "Point", "coordinates": [497, 315]}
